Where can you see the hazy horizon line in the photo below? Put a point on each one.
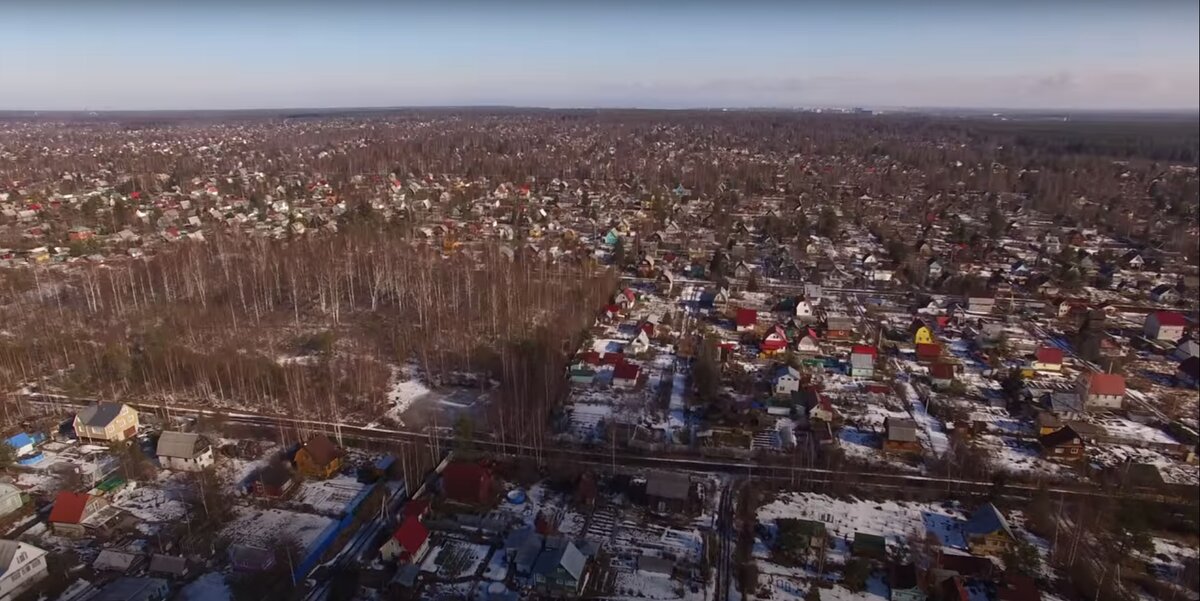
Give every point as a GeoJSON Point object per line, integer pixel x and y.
{"type": "Point", "coordinates": [616, 107]}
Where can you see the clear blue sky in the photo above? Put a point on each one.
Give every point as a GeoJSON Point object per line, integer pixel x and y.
{"type": "Point", "coordinates": [171, 54]}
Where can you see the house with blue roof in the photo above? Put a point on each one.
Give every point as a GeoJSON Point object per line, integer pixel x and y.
{"type": "Point", "coordinates": [988, 533]}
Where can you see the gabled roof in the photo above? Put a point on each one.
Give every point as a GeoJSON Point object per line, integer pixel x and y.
{"type": "Point", "coordinates": [99, 415]}
{"type": "Point", "coordinates": [626, 371]}
{"type": "Point", "coordinates": [1049, 354]}
{"type": "Point", "coordinates": [69, 507]}
{"type": "Point", "coordinates": [1170, 318]}
{"type": "Point", "coordinates": [746, 317]}
{"type": "Point", "coordinates": [942, 371]}
{"type": "Point", "coordinates": [1106, 384]}
{"type": "Point", "coordinates": [411, 535]}
{"type": "Point", "coordinates": [322, 450]}
{"type": "Point", "coordinates": [8, 550]}
{"type": "Point", "coordinates": [1063, 435]}
{"type": "Point", "coordinates": [177, 444]}
{"type": "Point", "coordinates": [986, 520]}
{"type": "Point", "coordinates": [569, 557]}
{"type": "Point", "coordinates": [863, 349]}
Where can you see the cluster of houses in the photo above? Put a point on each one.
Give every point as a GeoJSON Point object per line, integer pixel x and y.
{"type": "Point", "coordinates": [950, 574]}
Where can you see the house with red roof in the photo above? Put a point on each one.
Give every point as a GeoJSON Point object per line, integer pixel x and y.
{"type": "Point", "coordinates": [408, 543]}
{"type": "Point", "coordinates": [928, 351]}
{"type": "Point", "coordinates": [72, 511]}
{"type": "Point", "coordinates": [1099, 391]}
{"type": "Point", "coordinates": [746, 319]}
{"type": "Point", "coordinates": [941, 374]}
{"type": "Point", "coordinates": [1165, 325]}
{"type": "Point", "coordinates": [625, 375]}
{"type": "Point", "coordinates": [776, 340]}
{"type": "Point", "coordinates": [862, 361]}
{"type": "Point", "coordinates": [1047, 359]}
{"type": "Point", "coordinates": [625, 298]}
{"type": "Point", "coordinates": [467, 482]}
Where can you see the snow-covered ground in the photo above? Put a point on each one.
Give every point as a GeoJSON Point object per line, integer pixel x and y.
{"type": "Point", "coordinates": [264, 526]}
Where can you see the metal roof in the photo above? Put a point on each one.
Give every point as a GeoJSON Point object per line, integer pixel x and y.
{"type": "Point", "coordinates": [178, 444]}
{"type": "Point", "coordinates": [99, 415]}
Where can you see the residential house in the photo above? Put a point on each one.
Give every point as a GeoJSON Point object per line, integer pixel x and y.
{"type": "Point", "coordinates": [838, 327]}
{"type": "Point", "coordinates": [809, 344]}
{"type": "Point", "coordinates": [1063, 444]}
{"type": "Point", "coordinates": [11, 499]}
{"type": "Point", "coordinates": [625, 299]}
{"type": "Point", "coordinates": [941, 375]}
{"type": "Point", "coordinates": [1186, 349]}
{"type": "Point", "coordinates": [1164, 293]}
{"type": "Point", "coordinates": [560, 572]}
{"type": "Point", "coordinates": [921, 333]}
{"type": "Point", "coordinates": [981, 304]}
{"type": "Point", "coordinates": [319, 458]}
{"type": "Point", "coordinates": [934, 268]}
{"type": "Point", "coordinates": [786, 381]}
{"type": "Point", "coordinates": [1102, 391]}
{"type": "Point", "coordinates": [184, 451]}
{"type": "Point", "coordinates": [129, 588]}
{"type": "Point", "coordinates": [862, 361]}
{"type": "Point", "coordinates": [640, 343]}
{"type": "Point", "coordinates": [928, 352]}
{"type": "Point", "coordinates": [273, 481]}
{"type": "Point", "coordinates": [901, 436]}
{"type": "Point", "coordinates": [467, 482]}
{"type": "Point", "coordinates": [987, 532]}
{"type": "Point", "coordinates": [746, 319]}
{"type": "Point", "coordinates": [822, 410]}
{"type": "Point", "coordinates": [804, 311]}
{"type": "Point", "coordinates": [22, 565]}
{"type": "Point", "coordinates": [106, 422]}
{"type": "Point", "coordinates": [904, 584]}
{"type": "Point", "coordinates": [1047, 359]}
{"type": "Point", "coordinates": [408, 544]}
{"type": "Point", "coordinates": [1188, 372]}
{"type": "Point", "coordinates": [625, 375]}
{"type": "Point", "coordinates": [1165, 325]}
{"type": "Point", "coordinates": [74, 512]}
{"type": "Point", "coordinates": [775, 341]}
{"type": "Point", "coordinates": [669, 491]}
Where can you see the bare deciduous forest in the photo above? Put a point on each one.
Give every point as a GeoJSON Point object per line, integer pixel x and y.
{"type": "Point", "coordinates": [305, 327]}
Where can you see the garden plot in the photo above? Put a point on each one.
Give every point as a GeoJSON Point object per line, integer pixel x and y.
{"type": "Point", "coordinates": [456, 559]}
{"type": "Point", "coordinates": [328, 497]}
{"type": "Point", "coordinates": [263, 527]}
{"type": "Point", "coordinates": [898, 522]}
{"type": "Point", "coordinates": [150, 505]}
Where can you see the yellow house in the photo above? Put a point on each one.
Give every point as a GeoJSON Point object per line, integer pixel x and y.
{"type": "Point", "coordinates": [319, 458]}
{"type": "Point", "coordinates": [110, 422]}
{"type": "Point", "coordinates": [987, 532]}
{"type": "Point", "coordinates": [923, 336]}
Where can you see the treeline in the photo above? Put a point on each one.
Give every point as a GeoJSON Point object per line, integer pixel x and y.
{"type": "Point", "coordinates": [234, 319]}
